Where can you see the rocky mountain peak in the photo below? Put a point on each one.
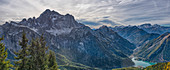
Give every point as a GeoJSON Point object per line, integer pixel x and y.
{"type": "Point", "coordinates": [154, 28]}
{"type": "Point", "coordinates": [104, 28]}
{"type": "Point", "coordinates": [48, 16]}
{"type": "Point", "coordinates": [156, 25]}
{"type": "Point", "coordinates": [56, 19]}
{"type": "Point", "coordinates": [49, 12]}
{"type": "Point", "coordinates": [146, 25]}
{"type": "Point", "coordinates": [49, 20]}
{"type": "Point", "coordinates": [68, 16]}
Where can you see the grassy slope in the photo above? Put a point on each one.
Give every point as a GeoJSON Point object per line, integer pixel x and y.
{"type": "Point", "coordinates": [65, 64]}
{"type": "Point", "coordinates": [159, 66]}
{"type": "Point", "coordinates": [129, 68]}
{"type": "Point", "coordinates": [156, 48]}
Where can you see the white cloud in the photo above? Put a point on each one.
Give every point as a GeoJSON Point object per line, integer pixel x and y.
{"type": "Point", "coordinates": [119, 11]}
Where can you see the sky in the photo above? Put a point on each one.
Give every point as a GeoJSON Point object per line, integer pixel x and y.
{"type": "Point", "coordinates": [93, 13]}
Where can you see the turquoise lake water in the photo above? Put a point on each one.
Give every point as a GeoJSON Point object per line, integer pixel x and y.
{"type": "Point", "coordinates": [142, 63]}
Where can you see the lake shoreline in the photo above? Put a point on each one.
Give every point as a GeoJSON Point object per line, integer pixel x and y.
{"type": "Point", "coordinates": [140, 63]}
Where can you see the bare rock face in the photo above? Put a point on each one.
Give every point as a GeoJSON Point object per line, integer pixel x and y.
{"type": "Point", "coordinates": [101, 48]}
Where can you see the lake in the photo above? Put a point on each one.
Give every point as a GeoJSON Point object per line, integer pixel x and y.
{"type": "Point", "coordinates": [141, 63]}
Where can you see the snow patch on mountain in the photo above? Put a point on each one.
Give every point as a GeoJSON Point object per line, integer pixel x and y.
{"type": "Point", "coordinates": [81, 47]}
{"type": "Point", "coordinates": [34, 29]}
{"type": "Point", "coordinates": [15, 24]}
{"type": "Point", "coordinates": [53, 19]}
{"type": "Point", "coordinates": [59, 31]}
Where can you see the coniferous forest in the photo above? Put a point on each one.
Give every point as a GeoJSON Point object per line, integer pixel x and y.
{"type": "Point", "coordinates": [33, 55]}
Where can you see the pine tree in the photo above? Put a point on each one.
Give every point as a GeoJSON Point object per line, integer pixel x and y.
{"type": "Point", "coordinates": [43, 52]}
{"type": "Point", "coordinates": [33, 56]}
{"type": "Point", "coordinates": [52, 61]}
{"type": "Point", "coordinates": [38, 54]}
{"type": "Point", "coordinates": [4, 65]}
{"type": "Point", "coordinates": [22, 55]}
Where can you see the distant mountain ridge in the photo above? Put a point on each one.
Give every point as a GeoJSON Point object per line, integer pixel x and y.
{"type": "Point", "coordinates": [74, 42]}
{"type": "Point", "coordinates": [141, 35]}
{"type": "Point", "coordinates": [134, 34]}
{"type": "Point", "coordinates": [154, 28]}
{"type": "Point", "coordinates": [156, 50]}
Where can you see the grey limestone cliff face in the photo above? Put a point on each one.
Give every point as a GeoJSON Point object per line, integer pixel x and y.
{"type": "Point", "coordinates": [101, 48]}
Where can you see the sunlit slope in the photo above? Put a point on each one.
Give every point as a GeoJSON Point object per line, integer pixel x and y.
{"type": "Point", "coordinates": [159, 66]}
{"type": "Point", "coordinates": [156, 50]}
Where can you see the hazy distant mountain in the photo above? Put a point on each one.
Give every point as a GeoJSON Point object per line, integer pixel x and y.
{"type": "Point", "coordinates": [166, 25]}
{"type": "Point", "coordinates": [156, 50]}
{"type": "Point", "coordinates": [154, 28]}
{"type": "Point", "coordinates": [72, 41]}
{"type": "Point", "coordinates": [134, 34]}
{"type": "Point", "coordinates": [97, 23]}
{"type": "Point", "coordinates": [142, 40]}
{"type": "Point", "coordinates": [130, 32]}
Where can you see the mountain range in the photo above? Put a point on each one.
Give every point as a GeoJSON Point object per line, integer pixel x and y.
{"type": "Point", "coordinates": [154, 28]}
{"type": "Point", "coordinates": [140, 35]}
{"type": "Point", "coordinates": [73, 42]}
{"type": "Point", "coordinates": [77, 46]}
